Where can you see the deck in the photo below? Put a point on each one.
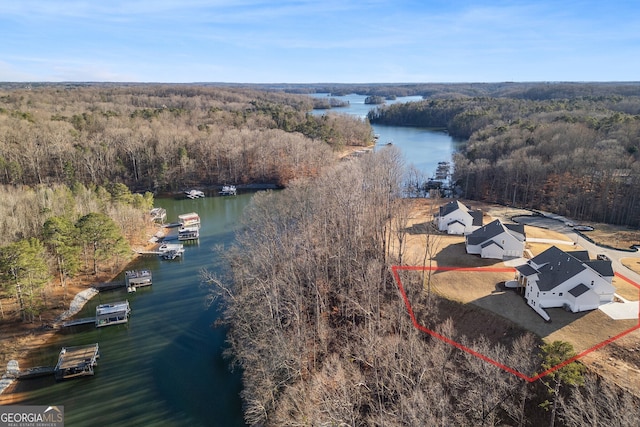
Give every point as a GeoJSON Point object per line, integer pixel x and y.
{"type": "Point", "coordinates": [76, 361]}
{"type": "Point", "coordinates": [137, 278]}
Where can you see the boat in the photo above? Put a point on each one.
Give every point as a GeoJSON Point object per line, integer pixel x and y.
{"type": "Point", "coordinates": [171, 254]}
{"type": "Point", "coordinates": [191, 219]}
{"type": "Point", "coordinates": [170, 250]}
{"type": "Point", "coordinates": [228, 190]}
{"type": "Point", "coordinates": [188, 233]}
{"type": "Point", "coordinates": [194, 194]}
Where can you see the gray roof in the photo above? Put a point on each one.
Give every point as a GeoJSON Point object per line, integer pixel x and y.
{"type": "Point", "coordinates": [516, 228]}
{"type": "Point", "coordinates": [581, 255]}
{"type": "Point", "coordinates": [579, 290]}
{"type": "Point", "coordinates": [557, 266]}
{"type": "Point", "coordinates": [604, 268]}
{"type": "Point", "coordinates": [477, 217]}
{"type": "Point", "coordinates": [489, 243]}
{"type": "Point", "coordinates": [454, 205]}
{"type": "Point", "coordinates": [526, 270]}
{"type": "Point", "coordinates": [489, 231]}
{"type": "Point", "coordinates": [451, 207]}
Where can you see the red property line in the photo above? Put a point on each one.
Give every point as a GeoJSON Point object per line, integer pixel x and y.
{"type": "Point", "coordinates": [456, 344]}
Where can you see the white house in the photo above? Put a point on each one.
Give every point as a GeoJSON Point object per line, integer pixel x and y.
{"type": "Point", "coordinates": [497, 240]}
{"type": "Point", "coordinates": [565, 279]}
{"type": "Point", "coordinates": [456, 218]}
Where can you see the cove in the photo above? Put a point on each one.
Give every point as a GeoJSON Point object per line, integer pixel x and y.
{"type": "Point", "coordinates": [165, 367]}
{"type": "Point", "coordinates": [421, 147]}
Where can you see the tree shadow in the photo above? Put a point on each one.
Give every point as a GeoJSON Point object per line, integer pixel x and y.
{"type": "Point", "coordinates": [456, 255]}
{"type": "Point", "coordinates": [584, 329]}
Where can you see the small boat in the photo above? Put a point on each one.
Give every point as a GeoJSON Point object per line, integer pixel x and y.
{"type": "Point", "coordinates": [194, 194]}
{"type": "Point", "coordinates": [188, 233]}
{"type": "Point", "coordinates": [228, 190]}
{"type": "Point", "coordinates": [173, 254]}
{"type": "Point", "coordinates": [170, 250]}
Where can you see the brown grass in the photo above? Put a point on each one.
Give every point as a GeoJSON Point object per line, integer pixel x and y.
{"type": "Point", "coordinates": [482, 289]}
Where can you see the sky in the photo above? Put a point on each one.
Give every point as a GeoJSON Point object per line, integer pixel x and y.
{"type": "Point", "coordinates": [324, 41]}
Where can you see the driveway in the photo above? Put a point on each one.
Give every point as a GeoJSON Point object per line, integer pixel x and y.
{"type": "Point", "coordinates": [615, 310]}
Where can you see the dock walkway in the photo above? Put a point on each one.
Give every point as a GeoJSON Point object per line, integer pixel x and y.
{"type": "Point", "coordinates": [76, 322]}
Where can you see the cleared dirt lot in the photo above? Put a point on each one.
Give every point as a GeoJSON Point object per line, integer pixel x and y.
{"type": "Point", "coordinates": [618, 361]}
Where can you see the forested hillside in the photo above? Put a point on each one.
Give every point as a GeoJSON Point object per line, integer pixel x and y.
{"type": "Point", "coordinates": [323, 338]}
{"type": "Point", "coordinates": [70, 156]}
{"type": "Point", "coordinates": [163, 137]}
{"type": "Point", "coordinates": [577, 157]}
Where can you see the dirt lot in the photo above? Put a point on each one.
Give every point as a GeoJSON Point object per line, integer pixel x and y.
{"type": "Point", "coordinates": [618, 361]}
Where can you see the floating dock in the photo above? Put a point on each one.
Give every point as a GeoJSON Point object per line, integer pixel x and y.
{"type": "Point", "coordinates": [112, 314]}
{"type": "Point", "coordinates": [228, 190]}
{"type": "Point", "coordinates": [158, 214]}
{"type": "Point", "coordinates": [194, 194]}
{"type": "Point", "coordinates": [191, 219]}
{"type": "Point", "coordinates": [76, 361]}
{"type": "Point", "coordinates": [106, 314]}
{"type": "Point", "coordinates": [188, 233]}
{"type": "Point", "coordinates": [134, 279]}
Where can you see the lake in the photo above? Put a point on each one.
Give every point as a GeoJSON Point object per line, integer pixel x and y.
{"type": "Point", "coordinates": [422, 147]}
{"type": "Point", "coordinates": [165, 367]}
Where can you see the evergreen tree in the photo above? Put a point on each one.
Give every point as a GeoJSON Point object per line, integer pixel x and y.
{"type": "Point", "coordinates": [101, 236]}
{"type": "Point", "coordinates": [554, 354]}
{"type": "Point", "coordinates": [25, 272]}
{"type": "Point", "coordinates": [60, 236]}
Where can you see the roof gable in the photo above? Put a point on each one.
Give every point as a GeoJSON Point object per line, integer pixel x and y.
{"type": "Point", "coordinates": [476, 216]}
{"type": "Point", "coordinates": [556, 267]}
{"type": "Point", "coordinates": [489, 243]}
{"type": "Point", "coordinates": [452, 207]}
{"type": "Point", "coordinates": [602, 267]}
{"type": "Point", "coordinates": [493, 229]}
{"type": "Point", "coordinates": [581, 255]}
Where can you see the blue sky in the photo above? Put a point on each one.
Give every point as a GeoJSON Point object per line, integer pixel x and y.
{"type": "Point", "coordinates": [308, 41]}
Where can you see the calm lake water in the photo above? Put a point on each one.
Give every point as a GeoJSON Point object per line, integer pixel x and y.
{"type": "Point", "coordinates": [422, 147]}
{"type": "Point", "coordinates": [165, 367]}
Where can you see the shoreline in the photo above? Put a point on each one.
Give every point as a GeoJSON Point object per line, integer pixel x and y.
{"type": "Point", "coordinates": [13, 366]}
{"type": "Point", "coordinates": [38, 337]}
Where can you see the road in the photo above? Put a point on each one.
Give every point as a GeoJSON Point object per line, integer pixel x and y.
{"type": "Point", "coordinates": [557, 223]}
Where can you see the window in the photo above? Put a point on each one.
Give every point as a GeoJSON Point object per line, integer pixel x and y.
{"type": "Point", "coordinates": [560, 294]}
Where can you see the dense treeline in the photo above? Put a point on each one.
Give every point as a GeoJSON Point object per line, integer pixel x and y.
{"type": "Point", "coordinates": [520, 90]}
{"type": "Point", "coordinates": [162, 137]}
{"type": "Point", "coordinates": [576, 157]}
{"type": "Point", "coordinates": [323, 338]}
{"type": "Point", "coordinates": [52, 234]}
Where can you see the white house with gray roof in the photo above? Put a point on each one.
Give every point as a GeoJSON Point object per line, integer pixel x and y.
{"type": "Point", "coordinates": [497, 241]}
{"type": "Point", "coordinates": [456, 218]}
{"type": "Point", "coordinates": [565, 279]}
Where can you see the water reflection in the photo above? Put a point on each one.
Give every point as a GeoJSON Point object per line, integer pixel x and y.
{"type": "Point", "coordinates": [165, 367]}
